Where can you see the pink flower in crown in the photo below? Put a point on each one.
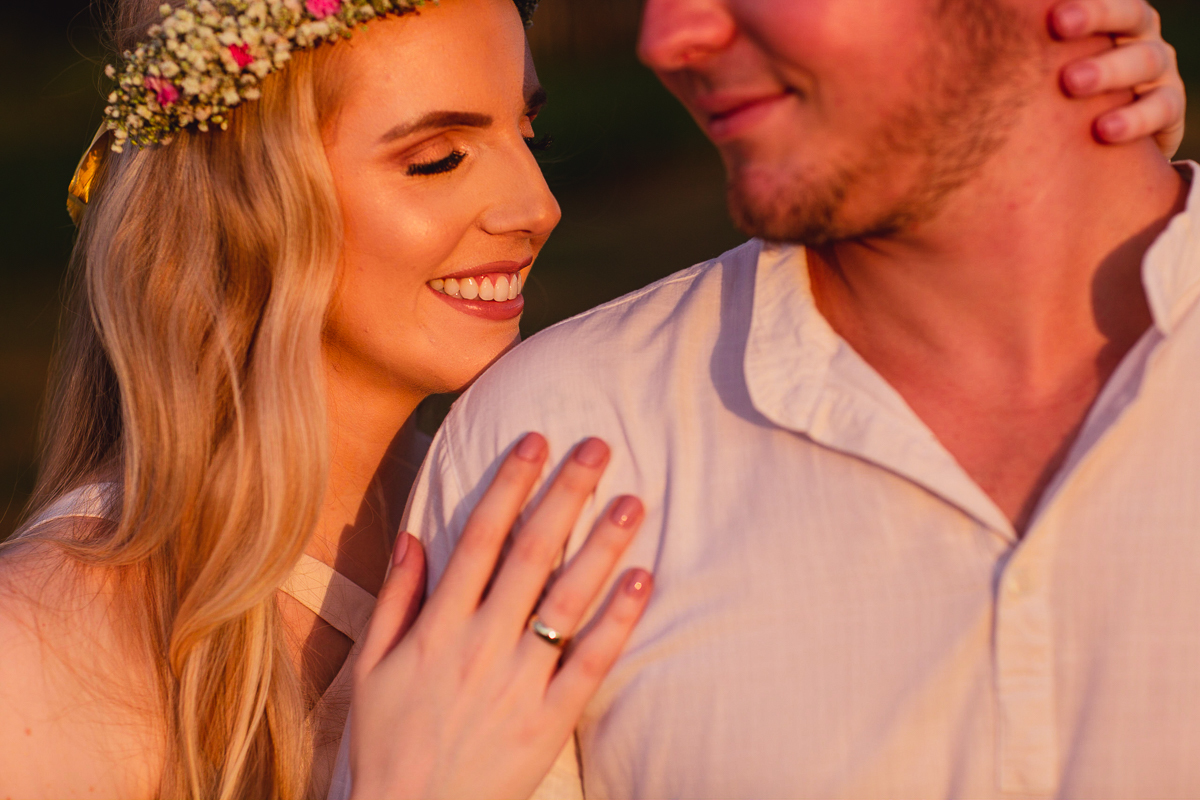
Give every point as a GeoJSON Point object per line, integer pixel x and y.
{"type": "Point", "coordinates": [322, 8]}
{"type": "Point", "coordinates": [164, 91]}
{"type": "Point", "coordinates": [241, 54]}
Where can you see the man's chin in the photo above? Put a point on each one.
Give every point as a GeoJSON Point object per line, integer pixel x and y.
{"type": "Point", "coordinates": [800, 214]}
{"type": "Point", "coordinates": [842, 206]}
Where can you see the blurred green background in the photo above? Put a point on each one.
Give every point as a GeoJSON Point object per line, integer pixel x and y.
{"type": "Point", "coordinates": [641, 190]}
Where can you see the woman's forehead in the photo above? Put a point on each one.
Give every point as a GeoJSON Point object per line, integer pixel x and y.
{"type": "Point", "coordinates": [459, 51]}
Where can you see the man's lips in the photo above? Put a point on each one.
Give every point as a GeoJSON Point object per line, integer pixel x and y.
{"type": "Point", "coordinates": [731, 115]}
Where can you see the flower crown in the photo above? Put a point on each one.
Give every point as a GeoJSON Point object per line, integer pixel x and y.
{"type": "Point", "coordinates": [208, 56]}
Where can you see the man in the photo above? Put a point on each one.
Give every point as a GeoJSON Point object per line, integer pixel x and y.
{"type": "Point", "coordinates": [921, 461]}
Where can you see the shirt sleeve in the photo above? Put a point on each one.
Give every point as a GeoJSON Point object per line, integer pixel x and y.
{"type": "Point", "coordinates": [436, 495]}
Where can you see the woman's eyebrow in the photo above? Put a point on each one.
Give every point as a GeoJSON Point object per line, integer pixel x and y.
{"type": "Point", "coordinates": [537, 99]}
{"type": "Point", "coordinates": [437, 119]}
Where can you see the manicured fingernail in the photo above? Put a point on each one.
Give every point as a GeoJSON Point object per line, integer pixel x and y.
{"type": "Point", "coordinates": [626, 512]}
{"type": "Point", "coordinates": [1070, 20]}
{"type": "Point", "coordinates": [638, 582]}
{"type": "Point", "coordinates": [1112, 128]}
{"type": "Point", "coordinates": [591, 453]}
{"type": "Point", "coordinates": [531, 448]}
{"type": "Point", "coordinates": [400, 549]}
{"type": "Point", "coordinates": [1083, 77]}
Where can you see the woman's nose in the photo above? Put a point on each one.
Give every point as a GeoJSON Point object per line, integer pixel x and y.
{"type": "Point", "coordinates": [527, 206]}
{"type": "Point", "coordinates": [677, 33]}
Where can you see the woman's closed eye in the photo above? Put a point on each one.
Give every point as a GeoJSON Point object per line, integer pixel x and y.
{"type": "Point", "coordinates": [455, 157]}
{"type": "Point", "coordinates": [451, 161]}
{"type": "Point", "coordinates": [447, 164]}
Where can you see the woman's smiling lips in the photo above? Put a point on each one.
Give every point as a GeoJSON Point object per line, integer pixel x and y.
{"type": "Point", "coordinates": [491, 291]}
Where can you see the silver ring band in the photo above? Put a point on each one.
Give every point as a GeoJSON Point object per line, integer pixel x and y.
{"type": "Point", "coordinates": [546, 633]}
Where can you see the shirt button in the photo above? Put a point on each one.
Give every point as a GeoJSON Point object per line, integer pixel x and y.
{"type": "Point", "coordinates": [1015, 586]}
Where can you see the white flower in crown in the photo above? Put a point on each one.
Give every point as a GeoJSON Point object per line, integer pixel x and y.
{"type": "Point", "coordinates": [208, 56]}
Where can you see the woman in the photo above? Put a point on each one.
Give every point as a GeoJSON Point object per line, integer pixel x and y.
{"type": "Point", "coordinates": [297, 242]}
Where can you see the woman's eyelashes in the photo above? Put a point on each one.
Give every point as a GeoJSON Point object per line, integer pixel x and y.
{"type": "Point", "coordinates": [540, 143]}
{"type": "Point", "coordinates": [451, 162]}
{"type": "Point", "coordinates": [447, 164]}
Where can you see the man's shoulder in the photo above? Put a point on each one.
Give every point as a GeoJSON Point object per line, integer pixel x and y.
{"type": "Point", "coordinates": [628, 336]}
{"type": "Point", "coordinates": [593, 374]}
{"type": "Point", "coordinates": [611, 372]}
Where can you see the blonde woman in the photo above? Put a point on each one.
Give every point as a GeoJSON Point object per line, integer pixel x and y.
{"type": "Point", "coordinates": [287, 241]}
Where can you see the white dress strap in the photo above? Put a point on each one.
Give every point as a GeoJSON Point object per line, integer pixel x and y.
{"type": "Point", "coordinates": [327, 593]}
{"type": "Point", "coordinates": [331, 596]}
{"type": "Point", "coordinates": [347, 607]}
{"type": "Point", "coordinates": [92, 501]}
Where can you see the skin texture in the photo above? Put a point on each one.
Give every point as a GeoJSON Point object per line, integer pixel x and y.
{"type": "Point", "coordinates": [878, 142]}
{"type": "Point", "coordinates": [78, 713]}
{"type": "Point", "coordinates": [998, 308]}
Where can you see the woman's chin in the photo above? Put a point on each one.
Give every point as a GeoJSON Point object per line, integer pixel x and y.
{"type": "Point", "coordinates": [458, 375]}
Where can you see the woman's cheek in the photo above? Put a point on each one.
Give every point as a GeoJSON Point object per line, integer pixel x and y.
{"type": "Point", "coordinates": [427, 233]}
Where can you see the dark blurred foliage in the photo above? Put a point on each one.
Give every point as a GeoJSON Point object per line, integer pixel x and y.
{"type": "Point", "coordinates": [640, 189]}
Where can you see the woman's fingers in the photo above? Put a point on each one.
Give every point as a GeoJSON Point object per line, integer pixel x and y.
{"type": "Point", "coordinates": [577, 587]}
{"type": "Point", "coordinates": [458, 676]}
{"type": "Point", "coordinates": [594, 653]}
{"type": "Point", "coordinates": [398, 604]}
{"type": "Point", "coordinates": [1161, 110]}
{"type": "Point", "coordinates": [540, 542]}
{"type": "Point", "coordinates": [1075, 19]}
{"type": "Point", "coordinates": [474, 559]}
{"type": "Point", "coordinates": [1142, 62]}
{"type": "Point", "coordinates": [1136, 64]}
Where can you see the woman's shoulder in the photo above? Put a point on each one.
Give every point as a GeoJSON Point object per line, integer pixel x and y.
{"type": "Point", "coordinates": [78, 697]}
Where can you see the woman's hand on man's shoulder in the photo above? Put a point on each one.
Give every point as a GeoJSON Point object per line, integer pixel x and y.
{"type": "Point", "coordinates": [479, 695]}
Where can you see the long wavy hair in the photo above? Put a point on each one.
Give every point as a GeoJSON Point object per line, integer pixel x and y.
{"type": "Point", "coordinates": [190, 365]}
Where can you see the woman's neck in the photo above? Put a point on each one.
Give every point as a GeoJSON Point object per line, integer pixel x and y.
{"type": "Point", "coordinates": [375, 452]}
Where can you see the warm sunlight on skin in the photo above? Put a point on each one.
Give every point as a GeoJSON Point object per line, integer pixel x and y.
{"type": "Point", "coordinates": [430, 158]}
{"type": "Point", "coordinates": [768, 98]}
{"type": "Point", "coordinates": [826, 112]}
{"type": "Point", "coordinates": [436, 181]}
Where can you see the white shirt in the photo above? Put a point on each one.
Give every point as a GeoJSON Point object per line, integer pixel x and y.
{"type": "Point", "coordinates": [839, 609]}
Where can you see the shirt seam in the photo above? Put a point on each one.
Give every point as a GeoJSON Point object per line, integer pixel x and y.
{"type": "Point", "coordinates": [451, 463]}
{"type": "Point", "coordinates": [691, 273]}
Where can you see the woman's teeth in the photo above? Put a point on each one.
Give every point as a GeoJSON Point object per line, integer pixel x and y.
{"type": "Point", "coordinates": [503, 289]}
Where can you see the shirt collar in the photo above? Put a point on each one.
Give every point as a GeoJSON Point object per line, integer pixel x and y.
{"type": "Point", "coordinates": [1171, 269]}
{"type": "Point", "coordinates": [803, 377]}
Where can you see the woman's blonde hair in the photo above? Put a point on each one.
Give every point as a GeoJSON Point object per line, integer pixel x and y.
{"type": "Point", "coordinates": [191, 365]}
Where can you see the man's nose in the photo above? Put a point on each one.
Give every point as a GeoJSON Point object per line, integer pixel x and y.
{"type": "Point", "coordinates": [678, 33]}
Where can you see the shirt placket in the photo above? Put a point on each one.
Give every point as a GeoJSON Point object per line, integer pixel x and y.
{"type": "Point", "coordinates": [1027, 755]}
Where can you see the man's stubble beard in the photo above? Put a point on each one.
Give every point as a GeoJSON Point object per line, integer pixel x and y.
{"type": "Point", "coordinates": [966, 97]}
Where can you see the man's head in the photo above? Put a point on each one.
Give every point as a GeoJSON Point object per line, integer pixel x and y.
{"type": "Point", "coordinates": [839, 119]}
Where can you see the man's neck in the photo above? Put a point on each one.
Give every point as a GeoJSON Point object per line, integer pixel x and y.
{"type": "Point", "coordinates": [1000, 320]}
